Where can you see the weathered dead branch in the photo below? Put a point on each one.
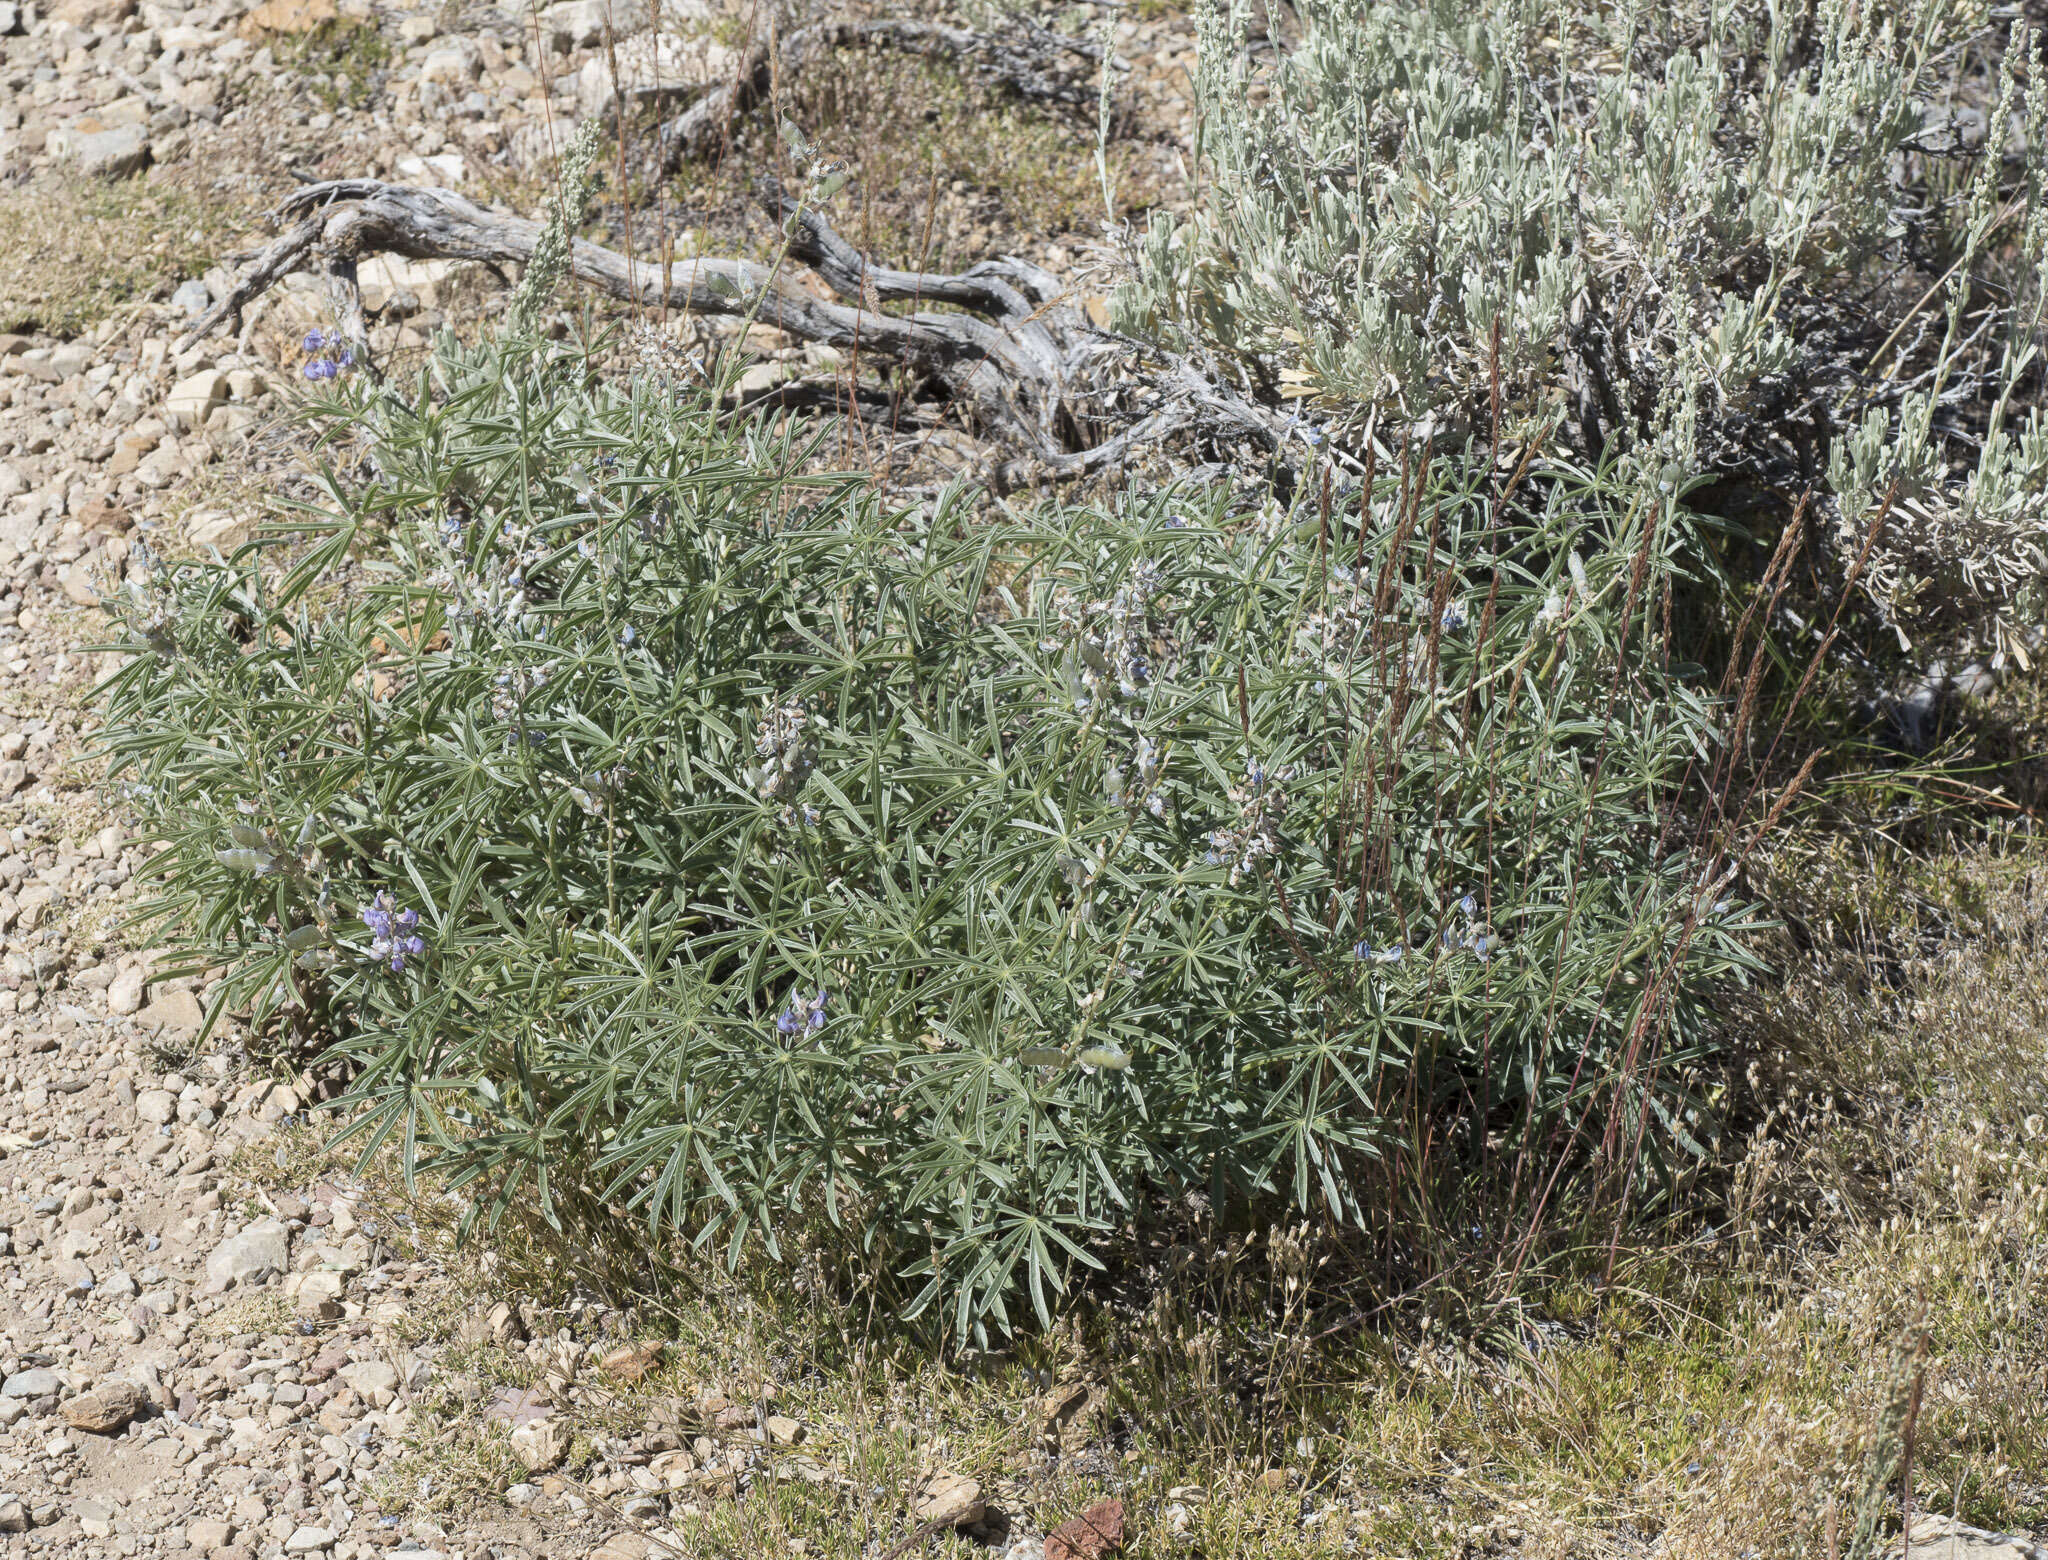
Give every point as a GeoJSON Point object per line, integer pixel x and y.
{"type": "Point", "coordinates": [1019, 360]}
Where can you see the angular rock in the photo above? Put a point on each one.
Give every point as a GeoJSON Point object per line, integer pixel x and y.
{"type": "Point", "coordinates": [305, 1540]}
{"type": "Point", "coordinates": [501, 1324]}
{"type": "Point", "coordinates": [652, 68]}
{"type": "Point", "coordinates": [456, 63]}
{"type": "Point", "coordinates": [92, 13]}
{"type": "Point", "coordinates": [107, 1408]}
{"type": "Point", "coordinates": [32, 1384]}
{"type": "Point", "coordinates": [673, 1469]}
{"type": "Point", "coordinates": [80, 587]}
{"type": "Point", "coordinates": [577, 24]}
{"type": "Point", "coordinates": [318, 1294]}
{"type": "Point", "coordinates": [216, 528]}
{"type": "Point", "coordinates": [540, 1445]}
{"type": "Point", "coordinates": [288, 16]}
{"type": "Point", "coordinates": [124, 996]}
{"type": "Point", "coordinates": [1096, 1532]}
{"type": "Point", "coordinates": [373, 1380]}
{"type": "Point", "coordinates": [193, 397]}
{"type": "Point", "coordinates": [1944, 1538]}
{"type": "Point", "coordinates": [949, 1498]}
{"type": "Point", "coordinates": [259, 1252]}
{"type": "Point", "coordinates": [192, 297]}
{"type": "Point", "coordinates": [176, 1012]}
{"type": "Point", "coordinates": [108, 154]}
{"type": "Point", "coordinates": [633, 1362]}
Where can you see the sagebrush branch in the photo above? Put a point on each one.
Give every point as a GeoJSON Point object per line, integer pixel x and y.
{"type": "Point", "coordinates": [1011, 360]}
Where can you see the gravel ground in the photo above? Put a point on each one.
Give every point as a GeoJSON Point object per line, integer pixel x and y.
{"type": "Point", "coordinates": [201, 1349]}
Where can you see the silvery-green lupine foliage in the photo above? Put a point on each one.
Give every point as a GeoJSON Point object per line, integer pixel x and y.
{"type": "Point", "coordinates": [1708, 228]}
{"type": "Point", "coordinates": [655, 821]}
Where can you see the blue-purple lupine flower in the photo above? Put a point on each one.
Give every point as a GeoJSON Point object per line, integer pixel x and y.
{"type": "Point", "coordinates": [394, 934]}
{"type": "Point", "coordinates": [802, 1015]}
{"type": "Point", "coordinates": [343, 356]}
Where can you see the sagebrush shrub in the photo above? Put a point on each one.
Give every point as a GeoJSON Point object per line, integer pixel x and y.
{"type": "Point", "coordinates": [1774, 244]}
{"type": "Point", "coordinates": [644, 814]}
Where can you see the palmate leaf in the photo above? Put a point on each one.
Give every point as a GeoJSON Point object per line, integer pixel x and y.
{"type": "Point", "coordinates": [1048, 1006]}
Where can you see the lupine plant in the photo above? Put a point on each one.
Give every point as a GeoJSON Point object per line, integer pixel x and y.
{"type": "Point", "coordinates": [650, 817]}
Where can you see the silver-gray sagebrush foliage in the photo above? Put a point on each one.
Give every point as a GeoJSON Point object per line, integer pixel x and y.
{"type": "Point", "coordinates": [648, 820]}
{"type": "Point", "coordinates": [1788, 245]}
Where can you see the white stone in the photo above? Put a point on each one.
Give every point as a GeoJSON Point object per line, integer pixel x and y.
{"type": "Point", "coordinates": [577, 24]}
{"type": "Point", "coordinates": [124, 994]}
{"type": "Point", "coordinates": [373, 1380]}
{"type": "Point", "coordinates": [250, 1257]}
{"type": "Point", "coordinates": [194, 397]}
{"type": "Point", "coordinates": [539, 1445]}
{"type": "Point", "coordinates": [105, 154]}
{"type": "Point", "coordinates": [654, 69]}
{"type": "Point", "coordinates": [156, 1106]}
{"type": "Point", "coordinates": [457, 63]}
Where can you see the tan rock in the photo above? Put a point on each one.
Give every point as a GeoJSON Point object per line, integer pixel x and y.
{"type": "Point", "coordinates": [455, 64]}
{"type": "Point", "coordinates": [317, 1295]}
{"type": "Point", "coordinates": [175, 1012]}
{"type": "Point", "coordinates": [216, 528]}
{"type": "Point", "coordinates": [194, 396]}
{"type": "Point", "coordinates": [950, 1498]}
{"type": "Point", "coordinates": [102, 515]}
{"type": "Point", "coordinates": [540, 1445]}
{"type": "Point", "coordinates": [105, 1409]}
{"type": "Point", "coordinates": [280, 17]}
{"type": "Point", "coordinates": [672, 1470]}
{"type": "Point", "coordinates": [104, 154]}
{"type": "Point", "coordinates": [92, 13]}
{"type": "Point", "coordinates": [125, 991]}
{"type": "Point", "coordinates": [79, 585]}
{"type": "Point", "coordinates": [633, 1362]}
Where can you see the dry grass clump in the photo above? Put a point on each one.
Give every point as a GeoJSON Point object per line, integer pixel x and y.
{"type": "Point", "coordinates": [78, 249]}
{"type": "Point", "coordinates": [971, 172]}
{"type": "Point", "coordinates": [1890, 1212]}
